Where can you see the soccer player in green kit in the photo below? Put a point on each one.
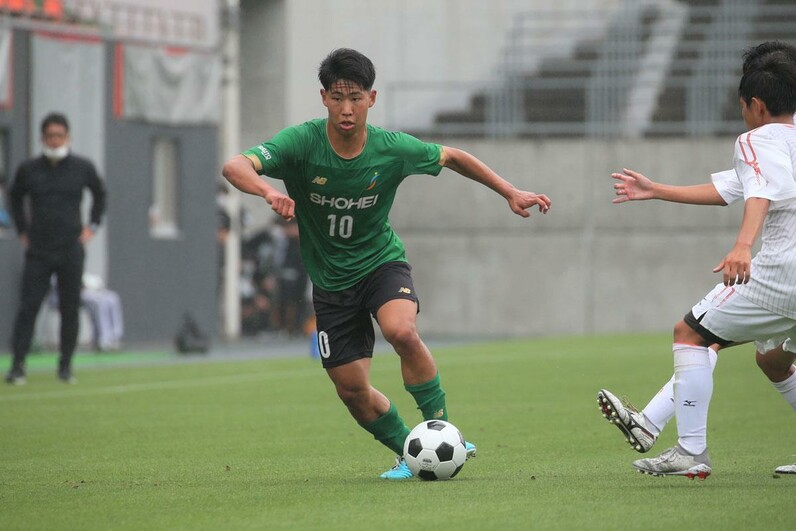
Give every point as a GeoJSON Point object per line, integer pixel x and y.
{"type": "Point", "coordinates": [341, 175]}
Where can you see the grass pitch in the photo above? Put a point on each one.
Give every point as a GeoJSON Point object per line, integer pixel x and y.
{"type": "Point", "coordinates": [265, 444]}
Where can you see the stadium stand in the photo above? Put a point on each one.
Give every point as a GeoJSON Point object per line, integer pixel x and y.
{"type": "Point", "coordinates": [649, 68]}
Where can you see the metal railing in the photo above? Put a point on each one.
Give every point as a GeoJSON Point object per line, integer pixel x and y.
{"type": "Point", "coordinates": [654, 67]}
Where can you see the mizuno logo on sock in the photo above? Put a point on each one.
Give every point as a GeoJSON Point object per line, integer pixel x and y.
{"type": "Point", "coordinates": [689, 403]}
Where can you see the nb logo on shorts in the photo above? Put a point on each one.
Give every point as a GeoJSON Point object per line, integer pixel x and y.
{"type": "Point", "coordinates": [319, 180]}
{"type": "Point", "coordinates": [405, 290]}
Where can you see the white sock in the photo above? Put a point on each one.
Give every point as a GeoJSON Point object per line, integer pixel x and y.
{"type": "Point", "coordinates": [787, 388]}
{"type": "Point", "coordinates": [693, 388]}
{"type": "Point", "coordinates": [660, 409]}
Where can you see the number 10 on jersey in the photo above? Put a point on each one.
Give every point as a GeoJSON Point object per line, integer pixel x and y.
{"type": "Point", "coordinates": [342, 227]}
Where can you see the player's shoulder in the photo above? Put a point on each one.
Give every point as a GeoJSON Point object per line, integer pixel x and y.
{"type": "Point", "coordinates": [774, 136]}
{"type": "Point", "coordinates": [305, 133]}
{"type": "Point", "coordinates": [386, 140]}
{"type": "Point", "coordinates": [306, 130]}
{"type": "Point", "coordinates": [772, 131]}
{"type": "Point", "coordinates": [299, 138]}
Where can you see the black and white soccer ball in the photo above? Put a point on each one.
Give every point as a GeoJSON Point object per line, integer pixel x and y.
{"type": "Point", "coordinates": [435, 450]}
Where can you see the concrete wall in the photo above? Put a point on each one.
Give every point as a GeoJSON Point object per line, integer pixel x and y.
{"type": "Point", "coordinates": [588, 266]}
{"type": "Point", "coordinates": [160, 279]}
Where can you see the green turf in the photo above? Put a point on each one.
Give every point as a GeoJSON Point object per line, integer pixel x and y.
{"type": "Point", "coordinates": [265, 444]}
{"type": "Point", "coordinates": [48, 361]}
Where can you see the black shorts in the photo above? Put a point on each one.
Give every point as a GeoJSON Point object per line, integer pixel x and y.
{"type": "Point", "coordinates": [345, 328]}
{"type": "Point", "coordinates": [696, 325]}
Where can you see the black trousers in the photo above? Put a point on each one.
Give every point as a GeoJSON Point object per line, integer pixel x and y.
{"type": "Point", "coordinates": [67, 265]}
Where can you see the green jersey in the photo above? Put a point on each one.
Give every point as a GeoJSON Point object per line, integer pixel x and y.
{"type": "Point", "coordinates": [342, 205]}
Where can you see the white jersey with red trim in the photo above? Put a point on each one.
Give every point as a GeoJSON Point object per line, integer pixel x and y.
{"type": "Point", "coordinates": [765, 167]}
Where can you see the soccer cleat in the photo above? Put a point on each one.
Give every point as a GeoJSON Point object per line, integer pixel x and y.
{"type": "Point", "coordinates": [785, 469]}
{"type": "Point", "coordinates": [15, 377]}
{"type": "Point", "coordinates": [471, 449]}
{"type": "Point", "coordinates": [65, 375]}
{"type": "Point", "coordinates": [630, 421]}
{"type": "Point", "coordinates": [676, 462]}
{"type": "Point", "coordinates": [399, 472]}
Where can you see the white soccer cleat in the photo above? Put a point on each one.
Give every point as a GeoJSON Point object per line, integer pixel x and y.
{"type": "Point", "coordinates": [785, 469]}
{"type": "Point", "coordinates": [628, 419]}
{"type": "Point", "coordinates": [676, 462]}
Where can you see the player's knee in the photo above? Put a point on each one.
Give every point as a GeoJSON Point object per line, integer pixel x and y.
{"type": "Point", "coordinates": [776, 365]}
{"type": "Point", "coordinates": [683, 333]}
{"type": "Point", "coordinates": [402, 337]}
{"type": "Point", "coordinates": [354, 397]}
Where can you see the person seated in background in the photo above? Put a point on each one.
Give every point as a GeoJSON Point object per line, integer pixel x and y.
{"type": "Point", "coordinates": [104, 308]}
{"type": "Point", "coordinates": [105, 311]}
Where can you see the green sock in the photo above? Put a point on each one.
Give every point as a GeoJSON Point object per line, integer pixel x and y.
{"type": "Point", "coordinates": [390, 430]}
{"type": "Point", "coordinates": [430, 399]}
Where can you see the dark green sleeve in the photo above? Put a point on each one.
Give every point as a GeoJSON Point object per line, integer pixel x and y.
{"type": "Point", "coordinates": [419, 157]}
{"type": "Point", "coordinates": [278, 154]}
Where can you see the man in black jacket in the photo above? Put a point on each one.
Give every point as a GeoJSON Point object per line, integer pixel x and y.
{"type": "Point", "coordinates": [53, 234]}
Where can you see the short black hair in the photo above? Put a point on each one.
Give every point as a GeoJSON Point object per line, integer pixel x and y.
{"type": "Point", "coordinates": [348, 65]}
{"type": "Point", "coordinates": [54, 118]}
{"type": "Point", "coordinates": [754, 55]}
{"type": "Point", "coordinates": [772, 81]}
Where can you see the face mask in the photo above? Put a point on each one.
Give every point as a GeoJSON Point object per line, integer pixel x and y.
{"type": "Point", "coordinates": [55, 154]}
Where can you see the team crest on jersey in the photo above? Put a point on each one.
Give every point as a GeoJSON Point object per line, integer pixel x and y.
{"type": "Point", "coordinates": [319, 180]}
{"type": "Point", "coordinates": [372, 183]}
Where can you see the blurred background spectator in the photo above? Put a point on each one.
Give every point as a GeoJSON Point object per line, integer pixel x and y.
{"type": "Point", "coordinates": [293, 280]}
{"type": "Point", "coordinates": [258, 282]}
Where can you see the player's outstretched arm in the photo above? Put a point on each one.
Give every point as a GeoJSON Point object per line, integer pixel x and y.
{"type": "Point", "coordinates": [471, 167]}
{"type": "Point", "coordinates": [241, 173]}
{"type": "Point", "coordinates": [634, 186]}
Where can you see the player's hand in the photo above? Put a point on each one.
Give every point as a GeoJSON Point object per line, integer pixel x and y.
{"type": "Point", "coordinates": [281, 204]}
{"type": "Point", "coordinates": [520, 201]}
{"type": "Point", "coordinates": [24, 240]}
{"type": "Point", "coordinates": [632, 186]}
{"type": "Point", "coordinates": [736, 266]}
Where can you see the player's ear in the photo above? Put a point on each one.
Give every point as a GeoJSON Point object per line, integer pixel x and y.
{"type": "Point", "coordinates": [758, 107]}
{"type": "Point", "coordinates": [323, 97]}
{"type": "Point", "coordinates": [372, 98]}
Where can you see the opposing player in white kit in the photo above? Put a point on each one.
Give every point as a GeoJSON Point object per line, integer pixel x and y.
{"type": "Point", "coordinates": [757, 300]}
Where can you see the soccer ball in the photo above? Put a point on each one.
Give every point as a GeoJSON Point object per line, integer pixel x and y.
{"type": "Point", "coordinates": [435, 450]}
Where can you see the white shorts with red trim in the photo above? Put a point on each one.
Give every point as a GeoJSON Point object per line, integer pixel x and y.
{"type": "Point", "coordinates": [728, 315]}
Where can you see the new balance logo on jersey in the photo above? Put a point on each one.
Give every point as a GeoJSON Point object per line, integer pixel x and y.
{"type": "Point", "coordinates": [319, 180]}
{"type": "Point", "coordinates": [345, 203]}
{"type": "Point", "coordinates": [405, 290]}
{"type": "Point", "coordinates": [689, 403]}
